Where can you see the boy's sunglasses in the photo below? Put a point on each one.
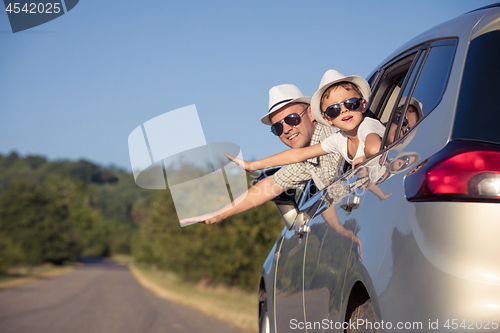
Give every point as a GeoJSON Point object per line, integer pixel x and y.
{"type": "Point", "coordinates": [351, 104]}
{"type": "Point", "coordinates": [292, 119]}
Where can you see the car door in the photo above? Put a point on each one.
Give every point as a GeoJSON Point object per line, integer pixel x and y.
{"type": "Point", "coordinates": [289, 307]}
{"type": "Point", "coordinates": [404, 91]}
{"type": "Point", "coordinates": [331, 245]}
{"type": "Point", "coordinates": [288, 289]}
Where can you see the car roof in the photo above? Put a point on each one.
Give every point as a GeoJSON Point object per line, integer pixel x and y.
{"type": "Point", "coordinates": [486, 7]}
{"type": "Point", "coordinates": [459, 27]}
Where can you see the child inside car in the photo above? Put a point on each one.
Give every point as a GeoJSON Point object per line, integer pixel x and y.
{"type": "Point", "coordinates": [340, 102]}
{"type": "Point", "coordinates": [412, 116]}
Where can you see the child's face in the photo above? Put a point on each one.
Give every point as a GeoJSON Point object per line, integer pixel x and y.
{"type": "Point", "coordinates": [412, 115]}
{"type": "Point", "coordinates": [348, 121]}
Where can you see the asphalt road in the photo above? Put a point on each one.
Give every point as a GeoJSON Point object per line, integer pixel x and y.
{"type": "Point", "coordinates": [97, 298]}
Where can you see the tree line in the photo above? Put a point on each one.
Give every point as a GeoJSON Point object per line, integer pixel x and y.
{"type": "Point", "coordinates": [58, 211]}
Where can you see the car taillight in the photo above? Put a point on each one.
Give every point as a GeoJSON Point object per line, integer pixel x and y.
{"type": "Point", "coordinates": [462, 171]}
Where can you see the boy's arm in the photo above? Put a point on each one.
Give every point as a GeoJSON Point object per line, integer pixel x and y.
{"type": "Point", "coordinates": [371, 132]}
{"type": "Point", "coordinates": [290, 156]}
{"type": "Point", "coordinates": [372, 144]}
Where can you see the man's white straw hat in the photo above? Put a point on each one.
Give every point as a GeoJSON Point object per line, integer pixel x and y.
{"type": "Point", "coordinates": [329, 78]}
{"type": "Point", "coordinates": [282, 95]}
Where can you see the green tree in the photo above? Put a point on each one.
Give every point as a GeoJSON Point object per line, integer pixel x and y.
{"type": "Point", "coordinates": [10, 253]}
{"type": "Point", "coordinates": [38, 222]}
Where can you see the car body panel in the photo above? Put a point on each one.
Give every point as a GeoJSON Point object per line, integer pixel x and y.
{"type": "Point", "coordinates": [329, 252]}
{"type": "Point", "coordinates": [289, 281]}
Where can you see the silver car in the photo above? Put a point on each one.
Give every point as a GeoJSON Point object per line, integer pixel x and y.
{"type": "Point", "coordinates": [409, 240]}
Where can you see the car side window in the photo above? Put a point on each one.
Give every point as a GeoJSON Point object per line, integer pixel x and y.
{"type": "Point", "coordinates": [433, 78]}
{"type": "Point", "coordinates": [424, 89]}
{"type": "Point", "coordinates": [372, 81]}
{"type": "Point", "coordinates": [385, 94]}
{"type": "Point", "coordinates": [405, 97]}
{"type": "Point", "coordinates": [395, 78]}
{"type": "Point", "coordinates": [394, 116]}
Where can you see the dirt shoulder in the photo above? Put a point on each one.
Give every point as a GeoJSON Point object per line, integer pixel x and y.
{"type": "Point", "coordinates": [35, 275]}
{"type": "Point", "coordinates": [229, 305]}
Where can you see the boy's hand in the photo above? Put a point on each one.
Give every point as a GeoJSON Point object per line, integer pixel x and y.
{"type": "Point", "coordinates": [358, 161]}
{"type": "Point", "coordinates": [240, 163]}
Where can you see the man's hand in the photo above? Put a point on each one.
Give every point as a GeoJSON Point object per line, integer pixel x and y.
{"type": "Point", "coordinates": [240, 163]}
{"type": "Point", "coordinates": [211, 218]}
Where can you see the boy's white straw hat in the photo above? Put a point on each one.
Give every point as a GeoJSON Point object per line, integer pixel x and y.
{"type": "Point", "coordinates": [282, 95]}
{"type": "Point", "coordinates": [329, 78]}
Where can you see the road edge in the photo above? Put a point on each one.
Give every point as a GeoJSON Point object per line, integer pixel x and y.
{"type": "Point", "coordinates": [172, 296]}
{"type": "Point", "coordinates": [18, 282]}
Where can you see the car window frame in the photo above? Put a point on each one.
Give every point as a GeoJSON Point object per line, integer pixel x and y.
{"type": "Point", "coordinates": [422, 48]}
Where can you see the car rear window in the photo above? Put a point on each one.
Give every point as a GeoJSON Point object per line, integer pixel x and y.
{"type": "Point", "coordinates": [478, 110]}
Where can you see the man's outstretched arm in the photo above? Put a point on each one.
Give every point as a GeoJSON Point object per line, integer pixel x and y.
{"type": "Point", "coordinates": [256, 195]}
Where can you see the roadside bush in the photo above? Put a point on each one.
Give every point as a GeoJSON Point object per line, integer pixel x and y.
{"type": "Point", "coordinates": [10, 253]}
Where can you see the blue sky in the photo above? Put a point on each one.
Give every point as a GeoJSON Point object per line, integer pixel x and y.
{"type": "Point", "coordinates": [77, 86]}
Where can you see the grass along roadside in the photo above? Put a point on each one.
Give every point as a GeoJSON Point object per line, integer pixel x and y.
{"type": "Point", "coordinates": [229, 305]}
{"type": "Point", "coordinates": [18, 276]}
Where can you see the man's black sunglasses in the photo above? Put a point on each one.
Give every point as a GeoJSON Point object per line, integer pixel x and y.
{"type": "Point", "coordinates": [292, 119]}
{"type": "Point", "coordinates": [351, 104]}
